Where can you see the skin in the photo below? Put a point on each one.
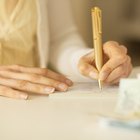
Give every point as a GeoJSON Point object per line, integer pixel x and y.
{"type": "Point", "coordinates": [18, 81]}
{"type": "Point", "coordinates": [117, 64]}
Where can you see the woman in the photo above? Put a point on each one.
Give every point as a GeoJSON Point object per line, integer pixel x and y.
{"type": "Point", "coordinates": [34, 33]}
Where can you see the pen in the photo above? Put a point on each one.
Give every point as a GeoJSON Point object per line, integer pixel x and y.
{"type": "Point", "coordinates": [97, 39]}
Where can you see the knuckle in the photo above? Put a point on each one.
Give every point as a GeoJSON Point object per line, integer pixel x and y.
{"type": "Point", "coordinates": [53, 83]}
{"type": "Point", "coordinates": [43, 71]}
{"type": "Point", "coordinates": [14, 94]}
{"type": "Point", "coordinates": [121, 70]}
{"type": "Point", "coordinates": [111, 43]}
{"type": "Point", "coordinates": [124, 75]}
{"type": "Point", "coordinates": [107, 69]}
{"type": "Point", "coordinates": [17, 67]}
{"type": "Point", "coordinates": [60, 77]}
{"type": "Point", "coordinates": [4, 89]}
{"type": "Point", "coordinates": [22, 84]}
{"type": "Point", "coordinates": [56, 84]}
{"type": "Point", "coordinates": [35, 77]}
{"type": "Point", "coordinates": [121, 58]}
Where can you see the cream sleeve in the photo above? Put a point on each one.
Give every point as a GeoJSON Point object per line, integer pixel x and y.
{"type": "Point", "coordinates": [67, 46]}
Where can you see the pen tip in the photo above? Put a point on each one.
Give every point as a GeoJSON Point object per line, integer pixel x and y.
{"type": "Point", "coordinates": [100, 84]}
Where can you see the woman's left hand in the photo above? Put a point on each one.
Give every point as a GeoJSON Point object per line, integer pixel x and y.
{"type": "Point", "coordinates": [117, 64]}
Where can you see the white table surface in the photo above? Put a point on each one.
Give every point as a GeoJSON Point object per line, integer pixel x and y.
{"type": "Point", "coordinates": [64, 118]}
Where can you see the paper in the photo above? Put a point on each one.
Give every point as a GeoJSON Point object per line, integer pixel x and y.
{"type": "Point", "coordinates": [116, 121]}
{"type": "Point", "coordinates": [85, 89]}
{"type": "Point", "coordinates": [129, 97]}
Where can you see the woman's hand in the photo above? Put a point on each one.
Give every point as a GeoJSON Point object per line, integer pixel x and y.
{"type": "Point", "coordinates": [117, 64]}
{"type": "Point", "coordinates": [17, 81]}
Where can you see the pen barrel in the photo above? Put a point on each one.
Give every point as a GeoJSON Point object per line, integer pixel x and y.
{"type": "Point", "coordinates": [97, 37]}
{"type": "Point", "coordinates": [98, 53]}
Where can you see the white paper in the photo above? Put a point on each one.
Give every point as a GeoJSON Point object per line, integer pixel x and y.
{"type": "Point", "coordinates": [119, 122]}
{"type": "Point", "coordinates": [87, 89]}
{"type": "Point", "coordinates": [129, 97]}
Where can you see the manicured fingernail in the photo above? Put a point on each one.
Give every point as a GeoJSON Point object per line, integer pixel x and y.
{"type": "Point", "coordinates": [63, 87]}
{"type": "Point", "coordinates": [49, 90]}
{"type": "Point", "coordinates": [93, 75]}
{"type": "Point", "coordinates": [23, 96]}
{"type": "Point", "coordinates": [69, 82]}
{"type": "Point", "coordinates": [103, 76]}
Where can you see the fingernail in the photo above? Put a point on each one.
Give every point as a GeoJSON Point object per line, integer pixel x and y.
{"type": "Point", "coordinates": [93, 75]}
{"type": "Point", "coordinates": [49, 90]}
{"type": "Point", "coordinates": [69, 82]}
{"type": "Point", "coordinates": [103, 76]}
{"type": "Point", "coordinates": [23, 96]}
{"type": "Point", "coordinates": [63, 87]}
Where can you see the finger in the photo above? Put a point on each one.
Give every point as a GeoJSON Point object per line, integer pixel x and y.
{"type": "Point", "coordinates": [41, 71]}
{"type": "Point", "coordinates": [88, 70]}
{"type": "Point", "coordinates": [112, 48]}
{"type": "Point", "coordinates": [26, 86]}
{"type": "Point", "coordinates": [58, 77]}
{"type": "Point", "coordinates": [35, 78]}
{"type": "Point", "coordinates": [118, 72]}
{"type": "Point", "coordinates": [116, 55]}
{"type": "Point", "coordinates": [124, 72]}
{"type": "Point", "coordinates": [121, 71]}
{"type": "Point", "coordinates": [111, 64]}
{"type": "Point", "coordinates": [11, 93]}
{"type": "Point", "coordinates": [129, 70]}
{"type": "Point", "coordinates": [87, 66]}
{"type": "Point", "coordinates": [115, 82]}
{"type": "Point", "coordinates": [124, 49]}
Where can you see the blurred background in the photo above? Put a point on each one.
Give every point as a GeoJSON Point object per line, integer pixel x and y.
{"type": "Point", "coordinates": [121, 22]}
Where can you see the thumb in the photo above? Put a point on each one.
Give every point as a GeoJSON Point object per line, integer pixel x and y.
{"type": "Point", "coordinates": [88, 70]}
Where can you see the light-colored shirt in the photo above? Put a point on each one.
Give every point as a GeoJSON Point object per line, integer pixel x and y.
{"type": "Point", "coordinates": [58, 42]}
{"type": "Point", "coordinates": [18, 34]}
{"type": "Point", "coordinates": [66, 44]}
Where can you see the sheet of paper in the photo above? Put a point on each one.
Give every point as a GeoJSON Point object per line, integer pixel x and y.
{"type": "Point", "coordinates": [84, 89]}
{"type": "Point", "coordinates": [129, 97]}
{"type": "Point", "coordinates": [123, 122]}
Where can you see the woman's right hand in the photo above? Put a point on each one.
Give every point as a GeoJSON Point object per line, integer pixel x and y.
{"type": "Point", "coordinates": [18, 81]}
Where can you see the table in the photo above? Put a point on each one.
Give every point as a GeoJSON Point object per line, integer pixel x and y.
{"type": "Point", "coordinates": [74, 118]}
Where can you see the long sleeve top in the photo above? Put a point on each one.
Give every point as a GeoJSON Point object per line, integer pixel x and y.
{"type": "Point", "coordinates": [43, 32]}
